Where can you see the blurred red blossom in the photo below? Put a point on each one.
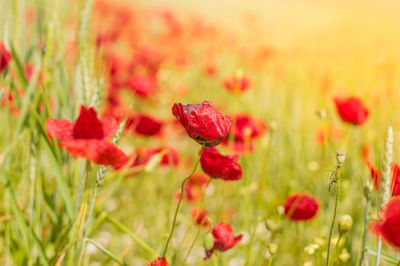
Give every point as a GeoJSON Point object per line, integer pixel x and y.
{"type": "Point", "coordinates": [87, 137]}
{"type": "Point", "coordinates": [301, 207]}
{"type": "Point", "coordinates": [220, 166]}
{"type": "Point", "coordinates": [160, 261]}
{"type": "Point", "coordinates": [237, 83]}
{"type": "Point", "coordinates": [351, 110]}
{"type": "Point", "coordinates": [5, 57]}
{"type": "Point", "coordinates": [141, 85]}
{"type": "Point", "coordinates": [387, 226]}
{"type": "Point", "coordinates": [200, 217]}
{"type": "Point", "coordinates": [144, 124]}
{"type": "Point", "coordinates": [203, 122]}
{"type": "Point", "coordinates": [194, 187]}
{"type": "Point", "coordinates": [376, 176]}
{"type": "Point", "coordinates": [224, 238]}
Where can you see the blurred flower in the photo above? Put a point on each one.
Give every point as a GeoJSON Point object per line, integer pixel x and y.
{"type": "Point", "coordinates": [344, 255]}
{"type": "Point", "coordinates": [351, 110]}
{"type": "Point", "coordinates": [237, 83]}
{"type": "Point", "coordinates": [220, 166]}
{"type": "Point", "coordinates": [224, 238]}
{"type": "Point", "coordinates": [142, 86]}
{"type": "Point", "coordinates": [387, 226]}
{"type": "Point", "coordinates": [200, 217]}
{"type": "Point", "coordinates": [247, 128]}
{"type": "Point", "coordinates": [160, 261]}
{"type": "Point", "coordinates": [144, 124]}
{"type": "Point", "coordinates": [87, 137]}
{"type": "Point", "coordinates": [194, 186]}
{"type": "Point", "coordinates": [203, 122]}
{"type": "Point", "coordinates": [376, 176]}
{"type": "Point", "coordinates": [301, 207]}
{"type": "Point", "coordinates": [5, 57]}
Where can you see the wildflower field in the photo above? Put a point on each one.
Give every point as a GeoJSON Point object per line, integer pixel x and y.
{"type": "Point", "coordinates": [172, 132]}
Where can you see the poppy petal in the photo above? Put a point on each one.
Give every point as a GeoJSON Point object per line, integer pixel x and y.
{"type": "Point", "coordinates": [99, 151]}
{"type": "Point", "coordinates": [61, 129]}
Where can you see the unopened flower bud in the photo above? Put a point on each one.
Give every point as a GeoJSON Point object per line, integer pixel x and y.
{"type": "Point", "coordinates": [345, 224]}
{"type": "Point", "coordinates": [272, 225]}
{"type": "Point", "coordinates": [340, 156]}
{"type": "Point", "coordinates": [280, 210]}
{"type": "Point", "coordinates": [367, 191]}
{"type": "Point", "coordinates": [208, 241]}
{"type": "Point", "coordinates": [322, 113]}
{"type": "Point", "coordinates": [272, 248]}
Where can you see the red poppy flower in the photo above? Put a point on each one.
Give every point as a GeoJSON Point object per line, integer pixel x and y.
{"type": "Point", "coordinates": [160, 261]}
{"type": "Point", "coordinates": [5, 56]}
{"type": "Point", "coordinates": [237, 83]}
{"type": "Point", "coordinates": [200, 217]}
{"type": "Point", "coordinates": [376, 176]}
{"type": "Point", "coordinates": [144, 124]}
{"type": "Point", "coordinates": [301, 207]}
{"type": "Point", "coordinates": [142, 86]}
{"type": "Point", "coordinates": [224, 238]}
{"type": "Point", "coordinates": [351, 110]}
{"type": "Point", "coordinates": [203, 122]}
{"type": "Point", "coordinates": [395, 185]}
{"type": "Point", "coordinates": [220, 166]}
{"type": "Point", "coordinates": [193, 188]}
{"type": "Point", "coordinates": [87, 137]}
{"type": "Point", "coordinates": [169, 156]}
{"type": "Point", "coordinates": [247, 127]}
{"type": "Point", "coordinates": [388, 225]}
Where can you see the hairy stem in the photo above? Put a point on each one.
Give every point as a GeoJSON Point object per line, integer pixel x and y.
{"type": "Point", "coordinates": [334, 213]}
{"type": "Point", "coordinates": [180, 201]}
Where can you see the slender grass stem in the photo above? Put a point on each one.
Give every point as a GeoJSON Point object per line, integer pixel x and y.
{"type": "Point", "coordinates": [334, 213]}
{"type": "Point", "coordinates": [364, 240]}
{"type": "Point", "coordinates": [105, 251]}
{"type": "Point", "coordinates": [133, 236]}
{"type": "Point", "coordinates": [180, 200]}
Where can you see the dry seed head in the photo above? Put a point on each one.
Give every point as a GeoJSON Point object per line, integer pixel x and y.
{"type": "Point", "coordinates": [340, 156]}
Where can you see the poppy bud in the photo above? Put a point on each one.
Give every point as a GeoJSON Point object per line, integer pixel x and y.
{"type": "Point", "coordinates": [345, 224]}
{"type": "Point", "coordinates": [272, 248]}
{"type": "Point", "coordinates": [208, 241]}
{"type": "Point", "coordinates": [340, 156]}
{"type": "Point", "coordinates": [367, 191]}
{"type": "Point", "coordinates": [272, 225]}
{"type": "Point", "coordinates": [322, 113]}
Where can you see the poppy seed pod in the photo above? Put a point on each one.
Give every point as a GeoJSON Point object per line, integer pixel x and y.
{"type": "Point", "coordinates": [340, 156]}
{"type": "Point", "coordinates": [345, 223]}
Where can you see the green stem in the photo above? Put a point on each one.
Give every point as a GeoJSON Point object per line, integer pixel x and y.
{"type": "Point", "coordinates": [180, 200]}
{"type": "Point", "coordinates": [378, 252]}
{"type": "Point", "coordinates": [364, 233]}
{"type": "Point", "coordinates": [192, 245]}
{"type": "Point", "coordinates": [334, 213]}
{"type": "Point", "coordinates": [336, 249]}
{"type": "Point", "coordinates": [387, 258]}
{"type": "Point", "coordinates": [270, 261]}
{"type": "Point", "coordinates": [134, 237]}
{"type": "Point", "coordinates": [105, 251]}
